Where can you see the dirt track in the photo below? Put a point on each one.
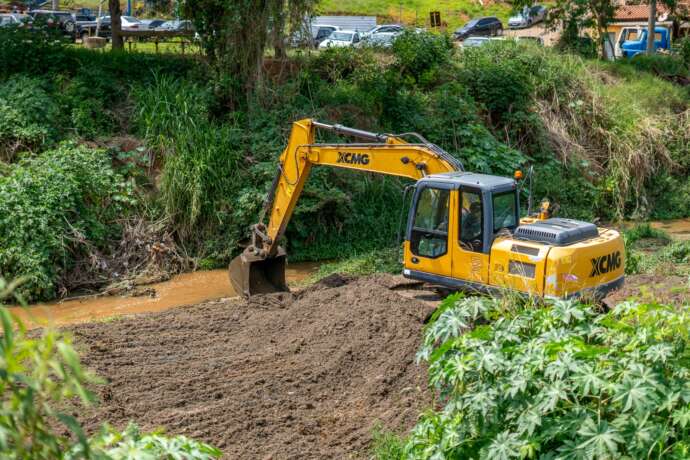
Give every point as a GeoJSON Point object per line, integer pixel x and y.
{"type": "Point", "coordinates": [305, 375]}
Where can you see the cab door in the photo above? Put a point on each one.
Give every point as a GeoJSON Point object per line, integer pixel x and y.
{"type": "Point", "coordinates": [428, 234]}
{"type": "Point", "coordinates": [470, 257]}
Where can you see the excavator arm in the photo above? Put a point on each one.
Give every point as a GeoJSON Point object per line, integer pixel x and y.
{"type": "Point", "coordinates": [261, 267]}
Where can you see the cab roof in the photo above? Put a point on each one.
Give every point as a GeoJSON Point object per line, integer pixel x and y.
{"type": "Point", "coordinates": [472, 180]}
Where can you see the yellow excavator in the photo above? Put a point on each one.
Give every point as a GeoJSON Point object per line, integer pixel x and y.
{"type": "Point", "coordinates": [463, 229]}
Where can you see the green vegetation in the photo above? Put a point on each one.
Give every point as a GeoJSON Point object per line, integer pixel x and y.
{"type": "Point", "coordinates": [649, 250]}
{"type": "Point", "coordinates": [564, 381]}
{"type": "Point", "coordinates": [42, 384]}
{"type": "Point", "coordinates": [378, 261]}
{"type": "Point", "coordinates": [199, 159]}
{"type": "Point", "coordinates": [52, 208]}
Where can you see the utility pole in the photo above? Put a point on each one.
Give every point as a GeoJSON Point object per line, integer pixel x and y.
{"type": "Point", "coordinates": [56, 4]}
{"type": "Point", "coordinates": [651, 26]}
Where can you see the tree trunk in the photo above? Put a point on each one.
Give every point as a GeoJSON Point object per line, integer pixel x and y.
{"type": "Point", "coordinates": [651, 25]}
{"type": "Point", "coordinates": [279, 38]}
{"type": "Point", "coordinates": [115, 24]}
{"type": "Point", "coordinates": [56, 4]}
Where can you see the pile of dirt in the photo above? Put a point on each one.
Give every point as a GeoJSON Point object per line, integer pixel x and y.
{"type": "Point", "coordinates": [302, 375]}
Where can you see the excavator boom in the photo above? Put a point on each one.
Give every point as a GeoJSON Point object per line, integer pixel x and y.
{"type": "Point", "coordinates": [261, 267]}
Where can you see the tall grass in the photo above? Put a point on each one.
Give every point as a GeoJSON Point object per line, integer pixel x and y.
{"type": "Point", "coordinates": [623, 126]}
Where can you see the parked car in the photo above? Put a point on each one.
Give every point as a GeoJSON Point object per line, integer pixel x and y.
{"type": "Point", "coordinates": [126, 23]}
{"type": "Point", "coordinates": [527, 17]}
{"type": "Point", "coordinates": [341, 39]}
{"type": "Point", "coordinates": [486, 27]}
{"type": "Point", "coordinates": [177, 25]}
{"type": "Point", "coordinates": [472, 42]}
{"type": "Point", "coordinates": [383, 29]}
{"type": "Point", "coordinates": [85, 25]}
{"type": "Point", "coordinates": [531, 39]}
{"type": "Point", "coordinates": [14, 19]}
{"type": "Point", "coordinates": [70, 24]}
{"type": "Point", "coordinates": [153, 23]}
{"type": "Point", "coordinates": [62, 20]}
{"type": "Point", "coordinates": [380, 40]}
{"type": "Point", "coordinates": [321, 32]}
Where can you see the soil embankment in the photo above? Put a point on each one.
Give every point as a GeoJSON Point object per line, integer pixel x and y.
{"type": "Point", "coordinates": [302, 375]}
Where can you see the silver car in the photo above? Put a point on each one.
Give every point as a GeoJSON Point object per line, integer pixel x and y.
{"type": "Point", "coordinates": [380, 40]}
{"type": "Point", "coordinates": [527, 17]}
{"type": "Point", "coordinates": [13, 19]}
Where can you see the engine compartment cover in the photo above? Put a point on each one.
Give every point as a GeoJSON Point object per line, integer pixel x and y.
{"type": "Point", "coordinates": [557, 231]}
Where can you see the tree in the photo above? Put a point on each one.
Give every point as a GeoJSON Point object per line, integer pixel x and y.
{"type": "Point", "coordinates": [651, 21]}
{"type": "Point", "coordinates": [234, 33]}
{"type": "Point", "coordinates": [115, 24]}
{"type": "Point", "coordinates": [576, 15]}
{"type": "Point", "coordinates": [651, 25]}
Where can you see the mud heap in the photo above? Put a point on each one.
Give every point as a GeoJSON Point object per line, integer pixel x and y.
{"type": "Point", "coordinates": [302, 375]}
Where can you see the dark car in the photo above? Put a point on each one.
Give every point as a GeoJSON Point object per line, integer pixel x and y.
{"type": "Point", "coordinates": [487, 27]}
{"type": "Point", "coordinates": [73, 25]}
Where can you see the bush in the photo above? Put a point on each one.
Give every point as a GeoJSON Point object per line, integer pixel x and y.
{"type": "Point", "coordinates": [421, 55]}
{"type": "Point", "coordinates": [27, 116]}
{"type": "Point", "coordinates": [50, 206]}
{"type": "Point", "coordinates": [562, 381]}
{"type": "Point", "coordinates": [663, 65]}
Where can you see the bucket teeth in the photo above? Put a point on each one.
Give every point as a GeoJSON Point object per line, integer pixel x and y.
{"type": "Point", "coordinates": [251, 274]}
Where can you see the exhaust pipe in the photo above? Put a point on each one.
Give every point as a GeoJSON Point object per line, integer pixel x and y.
{"type": "Point", "coordinates": [252, 274]}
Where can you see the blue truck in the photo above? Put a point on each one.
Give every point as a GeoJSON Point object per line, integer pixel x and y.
{"type": "Point", "coordinates": [633, 41]}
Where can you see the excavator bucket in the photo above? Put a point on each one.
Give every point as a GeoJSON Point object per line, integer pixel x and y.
{"type": "Point", "coordinates": [251, 274]}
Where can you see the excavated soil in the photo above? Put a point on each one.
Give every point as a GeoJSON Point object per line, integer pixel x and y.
{"type": "Point", "coordinates": [283, 376]}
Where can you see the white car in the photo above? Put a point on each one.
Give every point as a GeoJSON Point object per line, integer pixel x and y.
{"type": "Point", "coordinates": [473, 42]}
{"type": "Point", "coordinates": [341, 39]}
{"type": "Point", "coordinates": [126, 23]}
{"type": "Point", "coordinates": [383, 29]}
{"type": "Point", "coordinates": [527, 17]}
{"type": "Point", "coordinates": [380, 40]}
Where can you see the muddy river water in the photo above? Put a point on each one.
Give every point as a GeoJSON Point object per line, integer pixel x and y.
{"type": "Point", "coordinates": [678, 229]}
{"type": "Point", "coordinates": [192, 288]}
{"type": "Point", "coordinates": [183, 289]}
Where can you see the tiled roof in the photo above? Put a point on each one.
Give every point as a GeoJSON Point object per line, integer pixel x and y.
{"type": "Point", "coordinates": [638, 12]}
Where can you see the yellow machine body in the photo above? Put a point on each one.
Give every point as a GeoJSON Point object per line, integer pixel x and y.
{"type": "Point", "coordinates": [588, 268]}
{"type": "Point", "coordinates": [463, 228]}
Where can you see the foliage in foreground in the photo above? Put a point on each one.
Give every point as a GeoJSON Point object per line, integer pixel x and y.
{"type": "Point", "coordinates": [42, 384]}
{"type": "Point", "coordinates": [563, 381]}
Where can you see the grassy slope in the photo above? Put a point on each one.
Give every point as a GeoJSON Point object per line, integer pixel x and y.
{"type": "Point", "coordinates": [453, 12]}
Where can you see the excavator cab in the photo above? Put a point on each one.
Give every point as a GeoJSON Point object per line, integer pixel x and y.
{"type": "Point", "coordinates": [452, 223]}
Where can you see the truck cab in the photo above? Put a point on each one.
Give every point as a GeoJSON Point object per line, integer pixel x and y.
{"type": "Point", "coordinates": [633, 41]}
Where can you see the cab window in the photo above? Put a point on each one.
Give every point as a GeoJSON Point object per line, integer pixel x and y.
{"type": "Point", "coordinates": [429, 236]}
{"type": "Point", "coordinates": [505, 211]}
{"type": "Point", "coordinates": [471, 219]}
